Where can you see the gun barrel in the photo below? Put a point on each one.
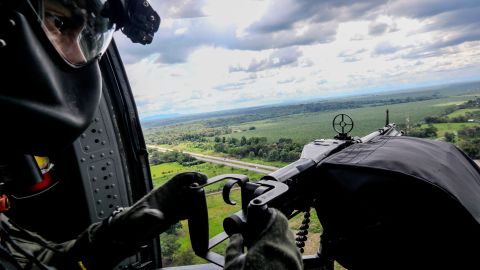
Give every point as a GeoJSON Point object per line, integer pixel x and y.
{"type": "Point", "coordinates": [370, 136]}
{"type": "Point", "coordinates": [388, 130]}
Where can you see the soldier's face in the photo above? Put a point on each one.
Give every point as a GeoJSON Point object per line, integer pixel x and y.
{"type": "Point", "coordinates": [63, 25]}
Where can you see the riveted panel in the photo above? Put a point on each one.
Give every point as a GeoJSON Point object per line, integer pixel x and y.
{"type": "Point", "coordinates": [95, 138]}
{"type": "Point", "coordinates": [101, 166]}
{"type": "Point", "coordinates": [105, 190]}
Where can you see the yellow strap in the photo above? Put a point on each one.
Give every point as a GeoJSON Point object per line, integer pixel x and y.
{"type": "Point", "coordinates": [82, 267]}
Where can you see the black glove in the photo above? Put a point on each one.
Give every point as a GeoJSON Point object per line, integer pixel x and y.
{"type": "Point", "coordinates": [274, 249]}
{"type": "Point", "coordinates": [103, 245]}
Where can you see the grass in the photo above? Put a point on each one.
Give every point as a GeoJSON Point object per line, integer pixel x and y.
{"type": "Point", "coordinates": [451, 103]}
{"type": "Point", "coordinates": [163, 172]}
{"type": "Point", "coordinates": [462, 112]}
{"type": "Point", "coordinates": [217, 212]}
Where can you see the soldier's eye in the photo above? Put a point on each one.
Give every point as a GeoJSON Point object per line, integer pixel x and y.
{"type": "Point", "coordinates": [59, 22]}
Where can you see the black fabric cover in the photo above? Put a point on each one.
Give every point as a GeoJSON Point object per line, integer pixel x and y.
{"type": "Point", "coordinates": [400, 203]}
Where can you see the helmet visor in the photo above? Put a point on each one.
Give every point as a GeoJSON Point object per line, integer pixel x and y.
{"type": "Point", "coordinates": [77, 28]}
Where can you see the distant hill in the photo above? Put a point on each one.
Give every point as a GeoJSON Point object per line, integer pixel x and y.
{"type": "Point", "coordinates": [238, 116]}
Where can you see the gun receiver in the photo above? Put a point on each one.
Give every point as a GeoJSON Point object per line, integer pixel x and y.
{"type": "Point", "coordinates": [289, 189]}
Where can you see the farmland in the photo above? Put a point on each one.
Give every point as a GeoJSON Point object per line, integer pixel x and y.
{"type": "Point", "coordinates": [307, 127]}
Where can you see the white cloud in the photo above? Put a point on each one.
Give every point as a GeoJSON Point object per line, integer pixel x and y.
{"type": "Point", "coordinates": [212, 55]}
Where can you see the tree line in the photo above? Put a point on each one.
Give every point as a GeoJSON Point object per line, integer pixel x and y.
{"type": "Point", "coordinates": [284, 149]}
{"type": "Point", "coordinates": [157, 157]}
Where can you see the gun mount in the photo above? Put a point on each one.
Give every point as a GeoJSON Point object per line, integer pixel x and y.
{"type": "Point", "coordinates": [289, 189]}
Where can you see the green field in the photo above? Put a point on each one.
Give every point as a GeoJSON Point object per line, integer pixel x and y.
{"type": "Point", "coordinates": [303, 128]}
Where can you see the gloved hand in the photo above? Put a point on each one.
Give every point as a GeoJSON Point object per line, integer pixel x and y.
{"type": "Point", "coordinates": [103, 245]}
{"type": "Point", "coordinates": [274, 249]}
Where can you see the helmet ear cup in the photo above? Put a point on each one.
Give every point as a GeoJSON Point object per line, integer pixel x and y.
{"type": "Point", "coordinates": [45, 103]}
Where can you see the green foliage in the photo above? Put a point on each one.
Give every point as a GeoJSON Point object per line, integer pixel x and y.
{"type": "Point", "coordinates": [470, 132]}
{"type": "Point", "coordinates": [458, 124]}
{"type": "Point", "coordinates": [169, 243]}
{"type": "Point", "coordinates": [157, 157]}
{"type": "Point", "coordinates": [470, 141]}
{"type": "Point", "coordinates": [193, 132]}
{"type": "Point", "coordinates": [449, 127]}
{"type": "Point", "coordinates": [430, 131]}
{"type": "Point", "coordinates": [450, 137]}
{"type": "Point", "coordinates": [471, 148]}
{"type": "Point", "coordinates": [170, 247]}
{"type": "Point", "coordinates": [187, 257]}
{"type": "Point", "coordinates": [285, 150]}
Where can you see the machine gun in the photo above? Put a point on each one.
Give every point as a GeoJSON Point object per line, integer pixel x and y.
{"type": "Point", "coordinates": [289, 189]}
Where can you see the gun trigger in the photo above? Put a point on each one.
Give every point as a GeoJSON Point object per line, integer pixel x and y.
{"type": "Point", "coordinates": [226, 191]}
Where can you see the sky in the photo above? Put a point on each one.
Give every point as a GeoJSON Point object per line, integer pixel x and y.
{"type": "Point", "coordinates": [211, 55]}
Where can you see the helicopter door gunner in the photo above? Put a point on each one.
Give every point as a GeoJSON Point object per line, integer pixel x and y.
{"type": "Point", "coordinates": [55, 45]}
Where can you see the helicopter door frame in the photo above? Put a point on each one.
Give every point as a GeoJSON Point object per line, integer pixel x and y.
{"type": "Point", "coordinates": [112, 158]}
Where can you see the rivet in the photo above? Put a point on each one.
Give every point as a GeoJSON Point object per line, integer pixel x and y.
{"type": "Point", "coordinates": [12, 22]}
{"type": "Point", "coordinates": [92, 156]}
{"type": "Point", "coordinates": [145, 4]}
{"type": "Point", "coordinates": [3, 43]}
